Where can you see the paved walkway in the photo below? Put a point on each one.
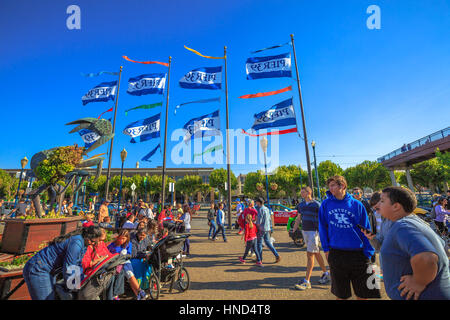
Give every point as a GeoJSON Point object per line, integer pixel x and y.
{"type": "Point", "coordinates": [217, 274]}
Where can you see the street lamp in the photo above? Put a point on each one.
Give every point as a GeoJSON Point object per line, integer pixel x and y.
{"type": "Point", "coordinates": [313, 144]}
{"type": "Point", "coordinates": [23, 163]}
{"type": "Point", "coordinates": [263, 142]}
{"type": "Point", "coordinates": [123, 156]}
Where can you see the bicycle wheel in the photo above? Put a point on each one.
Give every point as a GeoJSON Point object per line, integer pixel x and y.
{"type": "Point", "coordinates": [153, 287]}
{"type": "Point", "coordinates": [183, 280]}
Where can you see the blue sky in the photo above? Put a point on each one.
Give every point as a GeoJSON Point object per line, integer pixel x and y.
{"type": "Point", "coordinates": [365, 92]}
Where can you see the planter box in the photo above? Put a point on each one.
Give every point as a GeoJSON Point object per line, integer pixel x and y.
{"type": "Point", "coordinates": [9, 281]}
{"type": "Point", "coordinates": [25, 236]}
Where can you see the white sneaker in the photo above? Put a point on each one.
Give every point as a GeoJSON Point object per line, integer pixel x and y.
{"type": "Point", "coordinates": [304, 285]}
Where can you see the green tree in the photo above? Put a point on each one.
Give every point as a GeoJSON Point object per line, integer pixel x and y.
{"type": "Point", "coordinates": [218, 177]}
{"type": "Point", "coordinates": [253, 182]}
{"type": "Point", "coordinates": [443, 160]}
{"type": "Point", "coordinates": [367, 174]}
{"type": "Point", "coordinates": [428, 174]}
{"type": "Point", "coordinates": [288, 180]}
{"type": "Point", "coordinates": [189, 185]}
{"type": "Point", "coordinates": [326, 169]}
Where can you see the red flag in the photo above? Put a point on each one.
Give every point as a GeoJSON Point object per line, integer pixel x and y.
{"type": "Point", "coordinates": [265, 94]}
{"type": "Point", "coordinates": [105, 112]}
{"type": "Point", "coordinates": [271, 133]}
{"type": "Point", "coordinates": [146, 62]}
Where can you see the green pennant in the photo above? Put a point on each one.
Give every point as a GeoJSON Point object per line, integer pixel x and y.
{"type": "Point", "coordinates": [212, 149]}
{"type": "Point", "coordinates": [145, 106]}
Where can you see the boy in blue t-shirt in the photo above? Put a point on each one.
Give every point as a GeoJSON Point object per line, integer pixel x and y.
{"type": "Point", "coordinates": [414, 261]}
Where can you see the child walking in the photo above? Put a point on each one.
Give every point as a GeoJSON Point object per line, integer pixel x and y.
{"type": "Point", "coordinates": [250, 240]}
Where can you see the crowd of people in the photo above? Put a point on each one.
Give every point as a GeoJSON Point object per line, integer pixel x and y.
{"type": "Point", "coordinates": [351, 231]}
{"type": "Point", "coordinates": [139, 229]}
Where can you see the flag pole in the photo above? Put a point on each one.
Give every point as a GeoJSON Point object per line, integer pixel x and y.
{"type": "Point", "coordinates": [108, 175]}
{"type": "Point", "coordinates": [163, 191]}
{"type": "Point", "coordinates": [308, 162]}
{"type": "Point", "coordinates": [228, 142]}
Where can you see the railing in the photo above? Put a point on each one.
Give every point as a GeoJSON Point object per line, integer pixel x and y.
{"type": "Point", "coordinates": [410, 146]}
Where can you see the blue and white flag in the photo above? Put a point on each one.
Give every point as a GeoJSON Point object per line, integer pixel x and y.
{"type": "Point", "coordinates": [203, 78]}
{"type": "Point", "coordinates": [203, 126]}
{"type": "Point", "coordinates": [269, 67]}
{"type": "Point", "coordinates": [89, 137]}
{"type": "Point", "coordinates": [151, 153]}
{"type": "Point", "coordinates": [147, 84]}
{"type": "Point", "coordinates": [146, 129]}
{"type": "Point", "coordinates": [279, 115]}
{"type": "Point", "coordinates": [105, 91]}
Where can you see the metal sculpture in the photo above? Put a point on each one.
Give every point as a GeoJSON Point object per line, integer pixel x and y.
{"type": "Point", "coordinates": [103, 129]}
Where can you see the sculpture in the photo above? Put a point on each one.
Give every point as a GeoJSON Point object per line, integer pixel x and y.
{"type": "Point", "coordinates": [56, 164]}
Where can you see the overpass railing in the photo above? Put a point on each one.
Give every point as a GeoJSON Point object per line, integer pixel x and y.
{"type": "Point", "coordinates": [410, 146]}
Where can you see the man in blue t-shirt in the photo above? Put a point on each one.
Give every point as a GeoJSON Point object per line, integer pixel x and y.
{"type": "Point", "coordinates": [308, 214]}
{"type": "Point", "coordinates": [414, 260]}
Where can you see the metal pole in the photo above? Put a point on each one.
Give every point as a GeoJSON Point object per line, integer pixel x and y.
{"type": "Point", "coordinates": [317, 173]}
{"type": "Point", "coordinates": [120, 197]}
{"type": "Point", "coordinates": [308, 162]}
{"type": "Point", "coordinates": [163, 191]}
{"type": "Point", "coordinates": [18, 188]}
{"type": "Point", "coordinates": [228, 140]}
{"type": "Point", "coordinates": [108, 175]}
{"type": "Point", "coordinates": [267, 182]}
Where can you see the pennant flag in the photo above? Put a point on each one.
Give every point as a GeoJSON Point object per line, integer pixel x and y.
{"type": "Point", "coordinates": [201, 55]}
{"type": "Point", "coordinates": [89, 137]}
{"type": "Point", "coordinates": [147, 84]}
{"type": "Point", "coordinates": [145, 106]}
{"type": "Point", "coordinates": [203, 78]}
{"type": "Point", "coordinates": [269, 67]}
{"type": "Point", "coordinates": [109, 110]}
{"type": "Point", "coordinates": [91, 75]}
{"type": "Point", "coordinates": [146, 62]}
{"type": "Point", "coordinates": [103, 92]}
{"type": "Point", "coordinates": [279, 115]}
{"type": "Point", "coordinates": [212, 149]}
{"type": "Point", "coordinates": [146, 129]}
{"type": "Point", "coordinates": [273, 47]}
{"type": "Point", "coordinates": [273, 133]}
{"type": "Point", "coordinates": [151, 153]}
{"type": "Point", "coordinates": [266, 94]}
{"type": "Point", "coordinates": [207, 125]}
{"type": "Point", "coordinates": [197, 101]}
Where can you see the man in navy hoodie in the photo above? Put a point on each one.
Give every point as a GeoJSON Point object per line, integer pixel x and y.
{"type": "Point", "coordinates": [347, 250]}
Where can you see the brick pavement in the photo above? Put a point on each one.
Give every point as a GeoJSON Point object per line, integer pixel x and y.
{"type": "Point", "coordinates": [217, 274]}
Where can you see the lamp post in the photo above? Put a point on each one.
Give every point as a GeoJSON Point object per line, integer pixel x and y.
{"type": "Point", "coordinates": [23, 163]}
{"type": "Point", "coordinates": [123, 156]}
{"type": "Point", "coordinates": [263, 142]}
{"type": "Point", "coordinates": [313, 144]}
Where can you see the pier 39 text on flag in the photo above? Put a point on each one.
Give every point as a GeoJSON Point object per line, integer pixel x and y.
{"type": "Point", "coordinates": [146, 129]}
{"type": "Point", "coordinates": [105, 91]}
{"type": "Point", "coordinates": [202, 78]}
{"type": "Point", "coordinates": [279, 115]}
{"type": "Point", "coordinates": [89, 137]}
{"type": "Point", "coordinates": [152, 83]}
{"type": "Point", "coordinates": [269, 67]}
{"type": "Point", "coordinates": [207, 125]}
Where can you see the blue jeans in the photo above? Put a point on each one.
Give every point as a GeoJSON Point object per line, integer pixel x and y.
{"type": "Point", "coordinates": [266, 236]}
{"type": "Point", "coordinates": [220, 227]}
{"type": "Point", "coordinates": [40, 282]}
{"type": "Point", "coordinates": [187, 245]}
{"type": "Point", "coordinates": [212, 229]}
{"type": "Point", "coordinates": [252, 244]}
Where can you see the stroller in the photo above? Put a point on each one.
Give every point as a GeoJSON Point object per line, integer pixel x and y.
{"type": "Point", "coordinates": [103, 283]}
{"type": "Point", "coordinates": [168, 248]}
